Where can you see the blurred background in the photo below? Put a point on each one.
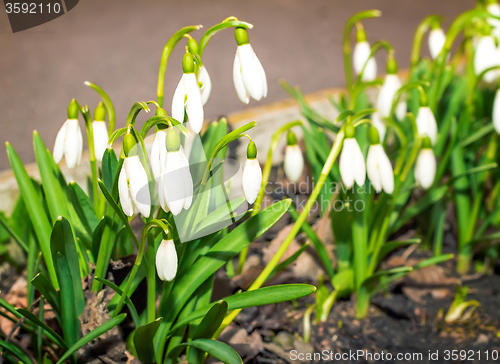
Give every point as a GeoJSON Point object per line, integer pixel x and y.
{"type": "Point", "coordinates": [117, 44]}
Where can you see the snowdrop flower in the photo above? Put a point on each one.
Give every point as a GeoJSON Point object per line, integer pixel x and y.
{"type": "Point", "coordinates": [294, 161]}
{"type": "Point", "coordinates": [378, 123]}
{"type": "Point", "coordinates": [437, 38]}
{"type": "Point", "coordinates": [166, 260]}
{"type": "Point", "coordinates": [486, 56]}
{"type": "Point", "coordinates": [391, 85]}
{"type": "Point", "coordinates": [361, 57]}
{"type": "Point", "coordinates": [378, 165]}
{"type": "Point", "coordinates": [100, 132]}
{"type": "Point", "coordinates": [177, 182]}
{"type": "Point", "coordinates": [426, 123]}
{"type": "Point", "coordinates": [69, 139]}
{"type": "Point", "coordinates": [352, 163]}
{"type": "Point", "coordinates": [252, 174]}
{"type": "Point", "coordinates": [425, 167]}
{"type": "Point", "coordinates": [133, 188]}
{"type": "Point", "coordinates": [496, 112]}
{"type": "Point", "coordinates": [202, 76]}
{"type": "Point", "coordinates": [248, 74]}
{"type": "Point", "coordinates": [188, 96]}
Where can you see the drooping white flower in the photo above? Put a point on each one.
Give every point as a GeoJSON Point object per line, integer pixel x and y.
{"type": "Point", "coordinates": [100, 132]}
{"type": "Point", "coordinates": [187, 96]}
{"type": "Point", "coordinates": [69, 143]}
{"type": "Point", "coordinates": [158, 149]}
{"type": "Point", "coordinates": [496, 112]}
{"type": "Point", "coordinates": [166, 260]}
{"type": "Point", "coordinates": [177, 180]}
{"type": "Point", "coordinates": [133, 188]}
{"type": "Point", "coordinates": [252, 174]}
{"type": "Point", "coordinates": [437, 38]}
{"type": "Point", "coordinates": [426, 123]}
{"type": "Point", "coordinates": [378, 123]}
{"type": "Point", "coordinates": [486, 56]}
{"type": "Point", "coordinates": [386, 95]}
{"type": "Point", "coordinates": [361, 56]}
{"type": "Point", "coordinates": [379, 169]}
{"type": "Point", "coordinates": [352, 163]}
{"type": "Point", "coordinates": [206, 84]}
{"type": "Point", "coordinates": [248, 74]}
{"type": "Point", "coordinates": [293, 163]}
{"type": "Point", "coordinates": [425, 166]}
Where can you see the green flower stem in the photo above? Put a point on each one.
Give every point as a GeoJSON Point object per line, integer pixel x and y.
{"type": "Point", "coordinates": [162, 224]}
{"type": "Point", "coordinates": [227, 23]}
{"type": "Point", "coordinates": [278, 134]}
{"type": "Point", "coordinates": [110, 109]}
{"type": "Point", "coordinates": [151, 281]}
{"type": "Point", "coordinates": [381, 233]}
{"type": "Point", "coordinates": [418, 38]}
{"type": "Point", "coordinates": [165, 55]}
{"type": "Point", "coordinates": [264, 275]}
{"type": "Point", "coordinates": [93, 165]}
{"type": "Point", "coordinates": [347, 42]}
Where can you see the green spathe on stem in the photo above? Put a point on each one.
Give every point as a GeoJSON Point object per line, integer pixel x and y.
{"type": "Point", "coordinates": [100, 112]}
{"type": "Point", "coordinates": [172, 140]}
{"type": "Point", "coordinates": [392, 65]}
{"type": "Point", "coordinates": [188, 63]}
{"type": "Point", "coordinates": [73, 109]}
{"type": "Point", "coordinates": [373, 136]}
{"type": "Point", "coordinates": [251, 150]}
{"type": "Point", "coordinates": [129, 142]}
{"type": "Point", "coordinates": [241, 36]}
{"type": "Point", "coordinates": [291, 138]}
{"type": "Point", "coordinates": [192, 45]}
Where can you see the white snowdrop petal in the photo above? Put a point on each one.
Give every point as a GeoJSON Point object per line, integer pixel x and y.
{"type": "Point", "coordinates": [188, 180]}
{"type": "Point", "coordinates": [100, 132]}
{"type": "Point", "coordinates": [372, 168]}
{"type": "Point", "coordinates": [425, 168]}
{"type": "Point", "coordinates": [251, 179]}
{"type": "Point", "coordinates": [379, 124]}
{"type": "Point", "coordinates": [241, 91]}
{"type": "Point", "coordinates": [71, 144]}
{"type": "Point", "coordinates": [361, 56]}
{"type": "Point", "coordinates": [346, 164]}
{"type": "Point", "coordinates": [79, 145]}
{"type": "Point", "coordinates": [166, 260]}
{"type": "Point", "coordinates": [206, 82]}
{"type": "Point", "coordinates": [59, 143]}
{"type": "Point", "coordinates": [437, 38]}
{"type": "Point", "coordinates": [426, 123]}
{"type": "Point", "coordinates": [178, 101]}
{"type": "Point", "coordinates": [293, 163]}
{"type": "Point", "coordinates": [385, 170]}
{"type": "Point", "coordinates": [124, 193]}
{"type": "Point", "coordinates": [496, 112]}
{"type": "Point", "coordinates": [386, 95]}
{"type": "Point", "coordinates": [359, 164]}
{"type": "Point", "coordinates": [262, 74]}
{"type": "Point", "coordinates": [138, 184]}
{"type": "Point", "coordinates": [486, 56]}
{"type": "Point", "coordinates": [157, 149]}
{"type": "Point", "coordinates": [194, 105]}
{"type": "Point", "coordinates": [401, 110]}
{"type": "Point", "coordinates": [250, 72]}
{"type": "Point", "coordinates": [370, 72]}
{"type": "Point", "coordinates": [174, 186]}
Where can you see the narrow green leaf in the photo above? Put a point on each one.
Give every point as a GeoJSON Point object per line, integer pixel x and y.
{"type": "Point", "coordinates": [83, 207]}
{"type": "Point", "coordinates": [143, 341]}
{"type": "Point", "coordinates": [43, 285]}
{"type": "Point", "coordinates": [212, 320]}
{"type": "Point", "coordinates": [393, 245]}
{"type": "Point", "coordinates": [30, 316]}
{"type": "Point", "coordinates": [258, 297]}
{"type": "Point", "coordinates": [69, 317]}
{"type": "Point", "coordinates": [36, 211]}
{"type": "Point", "coordinates": [16, 351]}
{"type": "Point", "coordinates": [217, 349]}
{"type": "Point", "coordinates": [105, 327]}
{"type": "Point", "coordinates": [128, 301]}
{"type": "Point", "coordinates": [62, 241]}
{"type": "Point", "coordinates": [109, 168]}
